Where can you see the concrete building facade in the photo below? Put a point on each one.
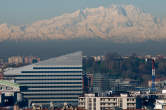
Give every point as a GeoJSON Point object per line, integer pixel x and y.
{"type": "Point", "coordinates": [92, 102]}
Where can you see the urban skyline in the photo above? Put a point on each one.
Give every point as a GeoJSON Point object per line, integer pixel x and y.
{"type": "Point", "coordinates": [83, 55]}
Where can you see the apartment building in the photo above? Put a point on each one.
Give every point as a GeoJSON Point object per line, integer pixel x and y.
{"type": "Point", "coordinates": [94, 102]}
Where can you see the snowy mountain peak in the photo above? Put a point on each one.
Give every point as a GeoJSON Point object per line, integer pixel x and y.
{"type": "Point", "coordinates": [121, 23]}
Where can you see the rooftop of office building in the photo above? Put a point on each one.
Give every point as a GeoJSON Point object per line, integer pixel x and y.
{"type": "Point", "coordinates": [67, 60]}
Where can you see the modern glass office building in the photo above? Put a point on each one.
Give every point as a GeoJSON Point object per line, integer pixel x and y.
{"type": "Point", "coordinates": [56, 80]}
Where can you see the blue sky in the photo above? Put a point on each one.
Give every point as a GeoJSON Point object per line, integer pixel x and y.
{"type": "Point", "coordinates": [27, 11]}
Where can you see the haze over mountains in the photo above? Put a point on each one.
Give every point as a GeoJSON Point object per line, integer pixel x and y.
{"type": "Point", "coordinates": [118, 23]}
{"type": "Point", "coordinates": [119, 28]}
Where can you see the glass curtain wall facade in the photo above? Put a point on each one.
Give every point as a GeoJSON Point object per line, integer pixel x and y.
{"type": "Point", "coordinates": [57, 80]}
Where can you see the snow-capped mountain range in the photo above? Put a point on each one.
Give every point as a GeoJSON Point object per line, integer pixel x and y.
{"type": "Point", "coordinates": [120, 23]}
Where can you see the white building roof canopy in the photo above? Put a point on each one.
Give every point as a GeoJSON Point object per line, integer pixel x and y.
{"type": "Point", "coordinates": [69, 59]}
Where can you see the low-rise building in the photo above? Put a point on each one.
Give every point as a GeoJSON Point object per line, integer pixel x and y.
{"type": "Point", "coordinates": [160, 104]}
{"type": "Point", "coordinates": [15, 60]}
{"type": "Point", "coordinates": [94, 102]}
{"type": "Point", "coordinates": [160, 83]}
{"type": "Point", "coordinates": [123, 84]}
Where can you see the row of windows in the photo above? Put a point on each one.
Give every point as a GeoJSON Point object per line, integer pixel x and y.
{"type": "Point", "coordinates": [57, 67]}
{"type": "Point", "coordinates": [71, 102]}
{"type": "Point", "coordinates": [50, 90]}
{"type": "Point", "coordinates": [54, 87]}
{"type": "Point", "coordinates": [108, 104]}
{"type": "Point", "coordinates": [49, 75]}
{"type": "Point", "coordinates": [78, 94]}
{"type": "Point", "coordinates": [130, 99]}
{"type": "Point", "coordinates": [110, 99]}
{"type": "Point", "coordinates": [49, 79]}
{"type": "Point", "coordinates": [52, 83]}
{"type": "Point", "coordinates": [53, 98]}
{"type": "Point", "coordinates": [51, 71]}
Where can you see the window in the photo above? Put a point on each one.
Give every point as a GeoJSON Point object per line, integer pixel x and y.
{"type": "Point", "coordinates": [49, 75]}
{"type": "Point", "coordinates": [51, 71]}
{"type": "Point", "coordinates": [90, 100]}
{"type": "Point", "coordinates": [57, 67]}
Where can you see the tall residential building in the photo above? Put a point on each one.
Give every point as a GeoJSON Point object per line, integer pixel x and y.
{"type": "Point", "coordinates": [56, 80]}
